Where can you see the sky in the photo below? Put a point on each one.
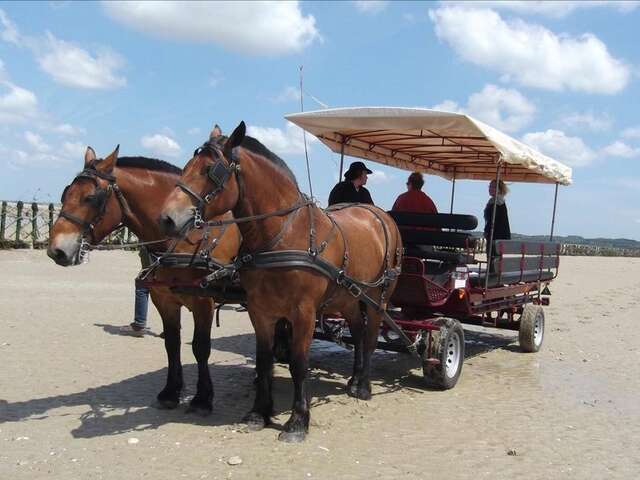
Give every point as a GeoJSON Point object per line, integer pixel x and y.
{"type": "Point", "coordinates": [155, 77]}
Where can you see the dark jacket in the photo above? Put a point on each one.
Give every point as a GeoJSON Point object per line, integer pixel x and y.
{"type": "Point", "coordinates": [501, 229]}
{"type": "Point", "coordinates": [345, 192]}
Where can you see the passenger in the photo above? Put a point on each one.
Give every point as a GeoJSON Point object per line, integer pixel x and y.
{"type": "Point", "coordinates": [352, 190]}
{"type": "Point", "coordinates": [501, 230]}
{"type": "Point", "coordinates": [414, 199]}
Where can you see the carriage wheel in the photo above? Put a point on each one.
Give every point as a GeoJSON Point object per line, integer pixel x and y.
{"type": "Point", "coordinates": [448, 349]}
{"type": "Point", "coordinates": [531, 328]}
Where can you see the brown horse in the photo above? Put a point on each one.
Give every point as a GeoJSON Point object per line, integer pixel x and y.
{"type": "Point", "coordinates": [358, 241]}
{"type": "Point", "coordinates": [130, 191]}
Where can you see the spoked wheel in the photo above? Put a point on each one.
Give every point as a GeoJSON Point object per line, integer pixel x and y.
{"type": "Point", "coordinates": [531, 328]}
{"type": "Point", "coordinates": [448, 350]}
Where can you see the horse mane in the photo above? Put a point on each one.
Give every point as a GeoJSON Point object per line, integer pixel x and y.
{"type": "Point", "coordinates": [254, 146]}
{"type": "Point", "coordinates": [149, 164]}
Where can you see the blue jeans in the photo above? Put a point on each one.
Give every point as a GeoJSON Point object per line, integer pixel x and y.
{"type": "Point", "coordinates": [141, 307]}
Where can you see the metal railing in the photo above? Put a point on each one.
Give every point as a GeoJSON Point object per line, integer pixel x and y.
{"type": "Point", "coordinates": [27, 225]}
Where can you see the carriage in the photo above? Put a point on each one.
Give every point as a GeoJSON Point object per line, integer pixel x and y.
{"type": "Point", "coordinates": [443, 282]}
{"type": "Point", "coordinates": [339, 266]}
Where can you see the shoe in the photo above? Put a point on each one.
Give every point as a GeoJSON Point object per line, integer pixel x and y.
{"type": "Point", "coordinates": [132, 330]}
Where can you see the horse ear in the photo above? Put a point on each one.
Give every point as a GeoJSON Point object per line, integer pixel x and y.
{"type": "Point", "coordinates": [216, 132]}
{"type": "Point", "coordinates": [235, 139]}
{"type": "Point", "coordinates": [89, 156]}
{"type": "Point", "coordinates": [108, 163]}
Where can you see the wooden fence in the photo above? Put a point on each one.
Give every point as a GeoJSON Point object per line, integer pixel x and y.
{"type": "Point", "coordinates": [27, 225]}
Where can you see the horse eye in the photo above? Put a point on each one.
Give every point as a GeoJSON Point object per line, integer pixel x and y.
{"type": "Point", "coordinates": [90, 199]}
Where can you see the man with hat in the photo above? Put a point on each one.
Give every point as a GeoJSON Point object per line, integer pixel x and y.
{"type": "Point", "coordinates": [352, 190]}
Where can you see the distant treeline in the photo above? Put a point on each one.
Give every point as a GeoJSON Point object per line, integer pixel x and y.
{"type": "Point", "coordinates": [601, 247]}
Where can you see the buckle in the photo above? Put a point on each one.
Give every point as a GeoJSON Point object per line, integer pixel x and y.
{"type": "Point", "coordinates": [354, 290]}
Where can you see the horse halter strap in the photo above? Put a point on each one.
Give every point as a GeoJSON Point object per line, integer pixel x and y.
{"type": "Point", "coordinates": [219, 173]}
{"type": "Point", "coordinates": [91, 173]}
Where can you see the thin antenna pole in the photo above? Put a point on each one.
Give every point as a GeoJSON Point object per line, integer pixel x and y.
{"type": "Point", "coordinates": [304, 134]}
{"type": "Point", "coordinates": [453, 190]}
{"type": "Point", "coordinates": [553, 218]}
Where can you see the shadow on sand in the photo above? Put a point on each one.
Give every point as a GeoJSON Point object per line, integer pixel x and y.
{"type": "Point", "coordinates": [125, 406]}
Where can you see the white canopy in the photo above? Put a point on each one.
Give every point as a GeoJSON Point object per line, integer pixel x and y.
{"type": "Point", "coordinates": [451, 145]}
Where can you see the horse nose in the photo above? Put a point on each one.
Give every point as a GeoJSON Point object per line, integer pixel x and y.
{"type": "Point", "coordinates": [167, 224]}
{"type": "Point", "coordinates": [59, 256]}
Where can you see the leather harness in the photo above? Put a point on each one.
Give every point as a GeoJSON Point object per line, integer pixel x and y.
{"type": "Point", "coordinates": [265, 257]}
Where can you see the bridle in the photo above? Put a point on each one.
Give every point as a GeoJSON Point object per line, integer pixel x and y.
{"type": "Point", "coordinates": [219, 173]}
{"type": "Point", "coordinates": [102, 195]}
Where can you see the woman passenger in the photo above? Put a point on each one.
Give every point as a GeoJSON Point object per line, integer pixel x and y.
{"type": "Point", "coordinates": [501, 230]}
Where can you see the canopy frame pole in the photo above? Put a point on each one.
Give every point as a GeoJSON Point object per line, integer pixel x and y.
{"type": "Point", "coordinates": [453, 190]}
{"type": "Point", "coordinates": [493, 222]}
{"type": "Point", "coordinates": [553, 217]}
{"type": "Point", "coordinates": [341, 159]}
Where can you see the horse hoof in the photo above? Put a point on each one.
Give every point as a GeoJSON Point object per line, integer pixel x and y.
{"type": "Point", "coordinates": [254, 421]}
{"type": "Point", "coordinates": [166, 404]}
{"type": "Point", "coordinates": [352, 389]}
{"type": "Point", "coordinates": [363, 394]}
{"type": "Point", "coordinates": [292, 437]}
{"type": "Point", "coordinates": [200, 410]}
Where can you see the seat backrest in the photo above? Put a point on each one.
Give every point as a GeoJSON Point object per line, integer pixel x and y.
{"type": "Point", "coordinates": [435, 220]}
{"type": "Point", "coordinates": [525, 258]}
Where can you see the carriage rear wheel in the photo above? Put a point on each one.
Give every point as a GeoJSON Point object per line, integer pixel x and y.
{"type": "Point", "coordinates": [531, 328]}
{"type": "Point", "coordinates": [444, 367]}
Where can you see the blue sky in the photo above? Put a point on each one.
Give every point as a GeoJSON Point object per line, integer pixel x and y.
{"type": "Point", "coordinates": [155, 77]}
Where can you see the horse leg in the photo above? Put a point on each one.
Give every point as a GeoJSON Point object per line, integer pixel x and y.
{"type": "Point", "coordinates": [296, 428]}
{"type": "Point", "coordinates": [356, 327]}
{"type": "Point", "coordinates": [169, 310]}
{"type": "Point", "coordinates": [373, 320]}
{"type": "Point", "coordinates": [202, 402]}
{"type": "Point", "coordinates": [262, 410]}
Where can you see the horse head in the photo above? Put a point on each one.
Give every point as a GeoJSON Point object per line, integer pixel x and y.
{"type": "Point", "coordinates": [209, 185]}
{"type": "Point", "coordinates": [89, 209]}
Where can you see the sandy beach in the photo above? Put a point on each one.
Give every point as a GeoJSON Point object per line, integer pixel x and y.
{"type": "Point", "coordinates": [75, 397]}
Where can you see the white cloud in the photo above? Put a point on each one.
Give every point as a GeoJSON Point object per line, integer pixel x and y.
{"type": "Point", "coordinates": [371, 6]}
{"type": "Point", "coordinates": [194, 131]}
{"type": "Point", "coordinates": [9, 31]}
{"type": "Point", "coordinates": [66, 129]}
{"type": "Point", "coordinates": [288, 94]}
{"type": "Point", "coordinates": [553, 9]}
{"type": "Point", "coordinates": [530, 54]}
{"type": "Point", "coordinates": [288, 141]}
{"type": "Point", "coordinates": [588, 120]}
{"type": "Point", "coordinates": [75, 150]}
{"type": "Point", "coordinates": [256, 28]}
{"type": "Point", "coordinates": [161, 145]}
{"type": "Point", "coordinates": [505, 109]}
{"type": "Point", "coordinates": [36, 142]}
{"type": "Point", "coordinates": [17, 104]}
{"type": "Point", "coordinates": [620, 149]}
{"type": "Point", "coordinates": [556, 144]}
{"type": "Point", "coordinates": [72, 66]}
{"type": "Point", "coordinates": [378, 177]}
{"type": "Point", "coordinates": [631, 132]}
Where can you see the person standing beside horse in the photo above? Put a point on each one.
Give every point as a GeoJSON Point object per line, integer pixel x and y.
{"type": "Point", "coordinates": [352, 189]}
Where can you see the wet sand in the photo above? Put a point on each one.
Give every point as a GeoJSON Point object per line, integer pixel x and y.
{"type": "Point", "coordinates": [75, 397]}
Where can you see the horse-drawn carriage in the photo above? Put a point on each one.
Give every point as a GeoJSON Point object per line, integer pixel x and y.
{"type": "Point", "coordinates": [354, 274]}
{"type": "Point", "coordinates": [443, 282]}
